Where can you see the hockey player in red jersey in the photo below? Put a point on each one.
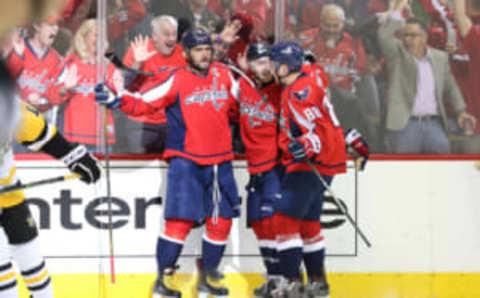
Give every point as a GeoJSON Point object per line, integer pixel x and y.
{"type": "Point", "coordinates": [311, 134]}
{"type": "Point", "coordinates": [198, 100]}
{"type": "Point", "coordinates": [259, 107]}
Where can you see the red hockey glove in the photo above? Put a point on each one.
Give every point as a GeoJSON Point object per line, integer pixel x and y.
{"type": "Point", "coordinates": [359, 146]}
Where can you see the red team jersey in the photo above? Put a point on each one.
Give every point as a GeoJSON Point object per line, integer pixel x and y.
{"type": "Point", "coordinates": [156, 63]}
{"type": "Point", "coordinates": [81, 110]}
{"type": "Point", "coordinates": [34, 74]}
{"type": "Point", "coordinates": [259, 110]}
{"type": "Point", "coordinates": [343, 62]}
{"type": "Point", "coordinates": [198, 112]}
{"type": "Point", "coordinates": [306, 107]}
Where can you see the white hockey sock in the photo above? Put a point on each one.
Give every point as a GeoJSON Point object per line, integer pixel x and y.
{"type": "Point", "coordinates": [34, 271]}
{"type": "Point", "coordinates": [8, 281]}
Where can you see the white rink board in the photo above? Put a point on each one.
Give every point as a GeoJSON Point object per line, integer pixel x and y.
{"type": "Point", "coordinates": [421, 216]}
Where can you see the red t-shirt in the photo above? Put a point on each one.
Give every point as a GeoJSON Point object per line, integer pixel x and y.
{"type": "Point", "coordinates": [306, 107]}
{"type": "Point", "coordinates": [198, 112]}
{"type": "Point", "coordinates": [258, 124]}
{"type": "Point", "coordinates": [156, 63]}
{"type": "Point", "coordinates": [472, 47]}
{"type": "Point", "coordinates": [34, 74]}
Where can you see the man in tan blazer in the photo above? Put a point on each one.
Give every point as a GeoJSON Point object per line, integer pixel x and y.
{"type": "Point", "coordinates": [419, 78]}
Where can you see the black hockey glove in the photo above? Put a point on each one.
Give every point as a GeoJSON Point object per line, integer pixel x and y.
{"type": "Point", "coordinates": [80, 161]}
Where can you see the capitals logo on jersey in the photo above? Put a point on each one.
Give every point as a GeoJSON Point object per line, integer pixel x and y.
{"type": "Point", "coordinates": [213, 94]}
{"type": "Point", "coordinates": [255, 113]}
{"type": "Point", "coordinates": [302, 94]}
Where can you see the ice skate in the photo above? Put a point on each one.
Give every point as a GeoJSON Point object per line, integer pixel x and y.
{"type": "Point", "coordinates": [288, 289]}
{"type": "Point", "coordinates": [205, 287]}
{"type": "Point", "coordinates": [318, 288]}
{"type": "Point", "coordinates": [160, 290]}
{"type": "Point", "coordinates": [266, 288]}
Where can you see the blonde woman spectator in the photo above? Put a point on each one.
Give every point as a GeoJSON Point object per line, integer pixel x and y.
{"type": "Point", "coordinates": [75, 86]}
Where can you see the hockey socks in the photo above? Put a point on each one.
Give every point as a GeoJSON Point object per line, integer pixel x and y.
{"type": "Point", "coordinates": [314, 262]}
{"type": "Point", "coordinates": [268, 247]}
{"type": "Point", "coordinates": [170, 244]}
{"type": "Point", "coordinates": [214, 242]}
{"type": "Point", "coordinates": [289, 245]}
{"type": "Point", "coordinates": [33, 269]}
{"type": "Point", "coordinates": [8, 280]}
{"type": "Point", "coordinates": [313, 248]}
{"type": "Point", "coordinates": [270, 259]}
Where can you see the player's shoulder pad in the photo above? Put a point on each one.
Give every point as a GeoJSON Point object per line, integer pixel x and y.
{"type": "Point", "coordinates": [33, 131]}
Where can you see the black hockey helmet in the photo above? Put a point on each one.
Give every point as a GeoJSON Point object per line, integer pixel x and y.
{"type": "Point", "coordinates": [258, 50]}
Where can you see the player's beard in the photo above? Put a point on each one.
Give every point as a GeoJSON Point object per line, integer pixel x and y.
{"type": "Point", "coordinates": [196, 66]}
{"type": "Point", "coordinates": [263, 77]}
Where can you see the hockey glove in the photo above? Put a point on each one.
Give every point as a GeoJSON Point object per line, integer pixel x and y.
{"type": "Point", "coordinates": [305, 147]}
{"type": "Point", "coordinates": [104, 96]}
{"type": "Point", "coordinates": [79, 161]}
{"type": "Point", "coordinates": [359, 146]}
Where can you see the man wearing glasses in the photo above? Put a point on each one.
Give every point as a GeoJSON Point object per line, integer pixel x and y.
{"type": "Point", "coordinates": [419, 79]}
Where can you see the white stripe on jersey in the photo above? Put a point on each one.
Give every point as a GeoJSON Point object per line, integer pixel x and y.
{"type": "Point", "coordinates": [300, 119]}
{"type": "Point", "coordinates": [159, 91]}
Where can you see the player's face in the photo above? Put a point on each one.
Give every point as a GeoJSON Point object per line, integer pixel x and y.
{"type": "Point", "coordinates": [261, 69]}
{"type": "Point", "coordinates": [278, 71]}
{"type": "Point", "coordinates": [331, 26]}
{"type": "Point", "coordinates": [414, 38]}
{"type": "Point", "coordinates": [200, 57]}
{"type": "Point", "coordinates": [47, 33]}
{"type": "Point", "coordinates": [164, 36]}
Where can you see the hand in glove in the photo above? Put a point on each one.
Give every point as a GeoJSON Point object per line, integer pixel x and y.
{"type": "Point", "coordinates": [105, 96]}
{"type": "Point", "coordinates": [357, 143]}
{"type": "Point", "coordinates": [79, 161]}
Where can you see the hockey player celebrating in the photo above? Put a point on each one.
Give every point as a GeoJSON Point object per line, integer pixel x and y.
{"type": "Point", "coordinates": [23, 123]}
{"type": "Point", "coordinates": [310, 135]}
{"type": "Point", "coordinates": [259, 107]}
{"type": "Point", "coordinates": [198, 100]}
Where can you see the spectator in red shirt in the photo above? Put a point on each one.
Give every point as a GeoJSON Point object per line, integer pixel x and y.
{"type": "Point", "coordinates": [75, 86]}
{"type": "Point", "coordinates": [32, 61]}
{"type": "Point", "coordinates": [471, 42]}
{"type": "Point", "coordinates": [146, 134]}
{"type": "Point", "coordinates": [344, 60]}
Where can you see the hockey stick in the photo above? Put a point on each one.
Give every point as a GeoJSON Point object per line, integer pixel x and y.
{"type": "Point", "coordinates": [18, 187]}
{"type": "Point", "coordinates": [112, 57]}
{"type": "Point", "coordinates": [319, 176]}
{"type": "Point", "coordinates": [101, 71]}
{"type": "Point", "coordinates": [329, 189]}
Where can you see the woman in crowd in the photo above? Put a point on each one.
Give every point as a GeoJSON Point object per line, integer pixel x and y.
{"type": "Point", "coordinates": [75, 87]}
